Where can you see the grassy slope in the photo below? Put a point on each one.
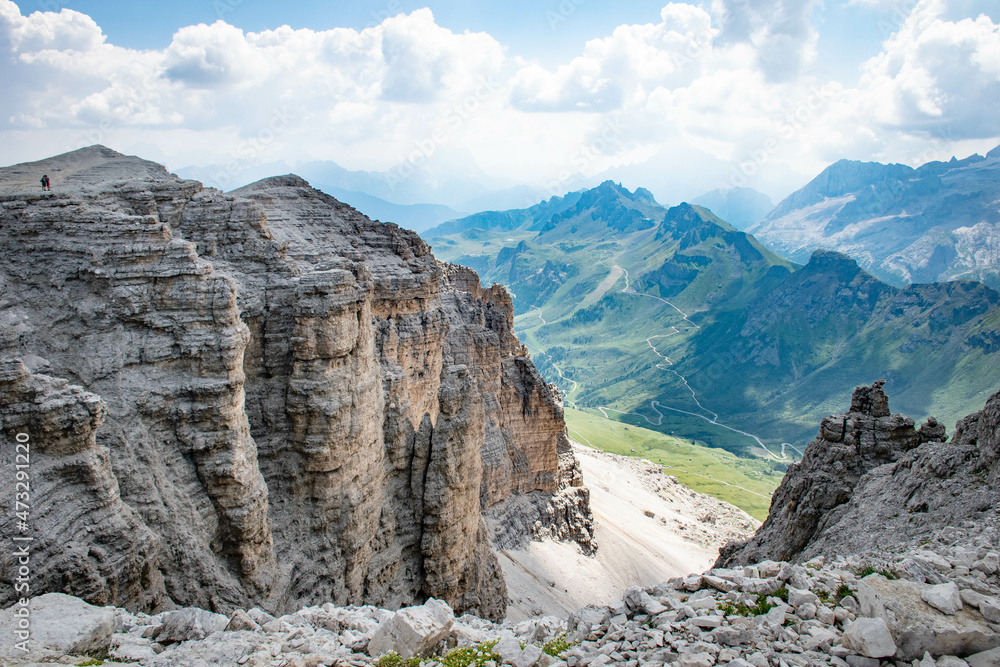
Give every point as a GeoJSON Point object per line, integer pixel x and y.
{"type": "Point", "coordinates": [746, 483]}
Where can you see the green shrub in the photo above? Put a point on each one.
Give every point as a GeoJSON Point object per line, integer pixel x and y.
{"type": "Point", "coordinates": [760, 606]}
{"type": "Point", "coordinates": [393, 659]}
{"type": "Point", "coordinates": [557, 646]}
{"type": "Point", "coordinates": [463, 656]}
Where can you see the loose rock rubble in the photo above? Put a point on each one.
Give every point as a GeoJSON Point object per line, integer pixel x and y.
{"type": "Point", "coordinates": [931, 607]}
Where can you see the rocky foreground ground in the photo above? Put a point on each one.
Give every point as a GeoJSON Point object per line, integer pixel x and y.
{"type": "Point", "coordinates": [937, 605]}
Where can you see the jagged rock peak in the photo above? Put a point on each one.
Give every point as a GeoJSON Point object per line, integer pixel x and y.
{"type": "Point", "coordinates": [871, 400]}
{"type": "Point", "coordinates": [871, 479]}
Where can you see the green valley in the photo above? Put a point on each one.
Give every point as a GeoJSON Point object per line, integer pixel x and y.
{"type": "Point", "coordinates": [744, 482]}
{"type": "Point", "coordinates": [675, 320]}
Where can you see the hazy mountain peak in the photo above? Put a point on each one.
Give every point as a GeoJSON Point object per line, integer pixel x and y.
{"type": "Point", "coordinates": [934, 223]}
{"type": "Point", "coordinates": [740, 207]}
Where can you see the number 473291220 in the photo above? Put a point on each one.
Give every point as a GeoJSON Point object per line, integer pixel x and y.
{"type": "Point", "coordinates": [22, 495]}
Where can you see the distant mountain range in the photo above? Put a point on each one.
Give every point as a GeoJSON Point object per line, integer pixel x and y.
{"type": "Point", "coordinates": [940, 221]}
{"type": "Point", "coordinates": [740, 207]}
{"type": "Point", "coordinates": [697, 328]}
{"type": "Point", "coordinates": [413, 199]}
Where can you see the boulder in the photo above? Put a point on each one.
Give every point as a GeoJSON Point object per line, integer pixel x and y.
{"type": "Point", "coordinates": [916, 626]}
{"type": "Point", "coordinates": [413, 631]}
{"type": "Point", "coordinates": [943, 597]}
{"type": "Point", "coordinates": [695, 660]}
{"type": "Point", "coordinates": [582, 620]}
{"type": "Point", "coordinates": [870, 637]}
{"type": "Point", "coordinates": [242, 621]}
{"type": "Point", "coordinates": [640, 602]}
{"type": "Point", "coordinates": [528, 657]}
{"type": "Point", "coordinates": [990, 609]}
{"type": "Point", "coordinates": [59, 625]}
{"type": "Point", "coordinates": [798, 597]}
{"type": "Point", "coordinates": [190, 623]}
{"type": "Point", "coordinates": [862, 661]}
{"type": "Point", "coordinates": [133, 648]}
{"type": "Point", "coordinates": [989, 658]}
{"type": "Point", "coordinates": [951, 661]}
{"type": "Point", "coordinates": [508, 648]}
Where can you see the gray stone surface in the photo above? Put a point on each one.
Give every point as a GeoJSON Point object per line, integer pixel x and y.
{"type": "Point", "coordinates": [943, 597]}
{"type": "Point", "coordinates": [916, 626]}
{"type": "Point", "coordinates": [870, 637]}
{"type": "Point", "coordinates": [186, 624]}
{"type": "Point", "coordinates": [872, 479]}
{"type": "Point", "coordinates": [51, 626]}
{"type": "Point", "coordinates": [413, 631]}
{"type": "Point", "coordinates": [262, 398]}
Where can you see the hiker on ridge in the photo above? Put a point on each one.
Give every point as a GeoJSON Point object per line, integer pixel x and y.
{"type": "Point", "coordinates": [45, 183]}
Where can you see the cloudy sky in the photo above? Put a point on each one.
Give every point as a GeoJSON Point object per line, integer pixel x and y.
{"type": "Point", "coordinates": [722, 92]}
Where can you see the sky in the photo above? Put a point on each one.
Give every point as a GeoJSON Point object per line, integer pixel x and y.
{"type": "Point", "coordinates": [676, 97]}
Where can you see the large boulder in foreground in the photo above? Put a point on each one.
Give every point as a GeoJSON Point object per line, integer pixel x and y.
{"type": "Point", "coordinates": [51, 626]}
{"type": "Point", "coordinates": [413, 631]}
{"type": "Point", "coordinates": [919, 628]}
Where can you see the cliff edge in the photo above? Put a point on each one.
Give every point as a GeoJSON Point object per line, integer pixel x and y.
{"type": "Point", "coordinates": [261, 397]}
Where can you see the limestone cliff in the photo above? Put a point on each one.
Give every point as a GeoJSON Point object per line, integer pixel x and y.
{"type": "Point", "coordinates": [302, 405]}
{"type": "Point", "coordinates": [871, 480]}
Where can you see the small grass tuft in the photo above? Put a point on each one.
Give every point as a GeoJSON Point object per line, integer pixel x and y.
{"type": "Point", "coordinates": [463, 656]}
{"type": "Point", "coordinates": [868, 569]}
{"type": "Point", "coordinates": [557, 646]}
{"type": "Point", "coordinates": [760, 606]}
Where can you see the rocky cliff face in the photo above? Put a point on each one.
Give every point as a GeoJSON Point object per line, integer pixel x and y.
{"type": "Point", "coordinates": [299, 405]}
{"type": "Point", "coordinates": [871, 480]}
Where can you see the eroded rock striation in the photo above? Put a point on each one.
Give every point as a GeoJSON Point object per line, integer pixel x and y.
{"type": "Point", "coordinates": [262, 397]}
{"type": "Point", "coordinates": [871, 480]}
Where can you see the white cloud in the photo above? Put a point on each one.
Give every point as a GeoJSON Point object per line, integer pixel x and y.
{"type": "Point", "coordinates": [737, 84]}
{"type": "Point", "coordinates": [937, 76]}
{"type": "Point", "coordinates": [781, 33]}
{"type": "Point", "coordinates": [621, 68]}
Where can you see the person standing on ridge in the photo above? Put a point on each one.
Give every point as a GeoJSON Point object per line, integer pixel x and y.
{"type": "Point", "coordinates": [45, 183]}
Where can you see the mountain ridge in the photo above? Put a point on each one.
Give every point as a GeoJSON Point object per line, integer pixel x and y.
{"type": "Point", "coordinates": [673, 319]}
{"type": "Point", "coordinates": [936, 222]}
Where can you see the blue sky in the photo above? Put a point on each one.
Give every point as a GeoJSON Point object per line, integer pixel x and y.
{"type": "Point", "coordinates": [677, 97]}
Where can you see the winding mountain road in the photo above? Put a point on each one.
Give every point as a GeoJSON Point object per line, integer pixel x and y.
{"type": "Point", "coordinates": [653, 404]}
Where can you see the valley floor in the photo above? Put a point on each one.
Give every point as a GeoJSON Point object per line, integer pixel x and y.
{"type": "Point", "coordinates": [649, 528]}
